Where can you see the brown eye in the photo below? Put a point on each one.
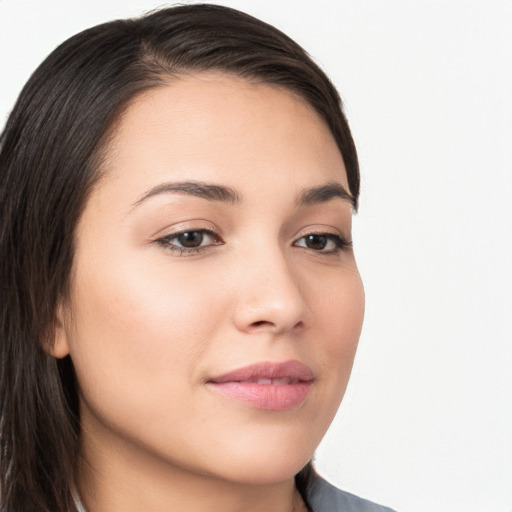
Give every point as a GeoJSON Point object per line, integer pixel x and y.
{"type": "Point", "coordinates": [326, 243]}
{"type": "Point", "coordinates": [190, 238]}
{"type": "Point", "coordinates": [316, 242]}
{"type": "Point", "coordinates": [190, 242]}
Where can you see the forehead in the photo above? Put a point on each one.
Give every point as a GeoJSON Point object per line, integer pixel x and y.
{"type": "Point", "coordinates": [216, 123]}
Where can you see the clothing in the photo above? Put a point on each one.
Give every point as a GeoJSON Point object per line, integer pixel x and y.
{"type": "Point", "coordinates": [324, 497]}
{"type": "Point", "coordinates": [78, 503]}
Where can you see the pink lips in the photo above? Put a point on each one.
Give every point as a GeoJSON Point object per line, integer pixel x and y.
{"type": "Point", "coordinates": [268, 386]}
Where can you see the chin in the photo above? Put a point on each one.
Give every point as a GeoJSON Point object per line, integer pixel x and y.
{"type": "Point", "coordinates": [264, 464]}
{"type": "Point", "coordinates": [269, 473]}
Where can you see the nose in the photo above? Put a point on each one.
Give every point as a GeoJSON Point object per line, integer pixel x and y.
{"type": "Point", "coordinates": [270, 295]}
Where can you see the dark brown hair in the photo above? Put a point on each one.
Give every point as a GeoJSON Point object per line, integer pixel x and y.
{"type": "Point", "coordinates": [50, 152]}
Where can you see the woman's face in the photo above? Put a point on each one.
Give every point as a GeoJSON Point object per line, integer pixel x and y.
{"type": "Point", "coordinates": [216, 304]}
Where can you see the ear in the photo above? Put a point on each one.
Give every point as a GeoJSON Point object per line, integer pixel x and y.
{"type": "Point", "coordinates": [58, 345]}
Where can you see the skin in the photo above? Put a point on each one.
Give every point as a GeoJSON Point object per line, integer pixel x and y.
{"type": "Point", "coordinates": [147, 324]}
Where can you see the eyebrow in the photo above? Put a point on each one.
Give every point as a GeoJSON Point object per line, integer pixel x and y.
{"type": "Point", "coordinates": [325, 193]}
{"type": "Point", "coordinates": [194, 188]}
{"type": "Point", "coordinates": [221, 193]}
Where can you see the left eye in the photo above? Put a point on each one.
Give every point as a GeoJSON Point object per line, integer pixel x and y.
{"type": "Point", "coordinates": [322, 242]}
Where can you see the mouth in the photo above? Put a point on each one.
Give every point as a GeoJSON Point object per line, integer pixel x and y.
{"type": "Point", "coordinates": [268, 386]}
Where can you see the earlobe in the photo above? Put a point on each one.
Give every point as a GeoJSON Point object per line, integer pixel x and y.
{"type": "Point", "coordinates": [58, 345]}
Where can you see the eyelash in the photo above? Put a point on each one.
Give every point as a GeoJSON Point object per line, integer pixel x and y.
{"type": "Point", "coordinates": [167, 244]}
{"type": "Point", "coordinates": [340, 243]}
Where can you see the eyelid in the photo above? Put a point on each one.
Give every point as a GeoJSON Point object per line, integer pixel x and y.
{"type": "Point", "coordinates": [322, 229]}
{"type": "Point", "coordinates": [186, 225]}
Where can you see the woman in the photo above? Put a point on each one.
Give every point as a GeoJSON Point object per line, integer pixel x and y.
{"type": "Point", "coordinates": [180, 300]}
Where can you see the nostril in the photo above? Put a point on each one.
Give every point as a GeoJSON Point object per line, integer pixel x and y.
{"type": "Point", "coordinates": [271, 326]}
{"type": "Point", "coordinates": [260, 323]}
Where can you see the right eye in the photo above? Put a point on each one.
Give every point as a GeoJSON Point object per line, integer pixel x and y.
{"type": "Point", "coordinates": [190, 241]}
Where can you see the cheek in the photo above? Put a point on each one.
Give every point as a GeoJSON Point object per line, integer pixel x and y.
{"type": "Point", "coordinates": [339, 310]}
{"type": "Point", "coordinates": [339, 313]}
{"type": "Point", "coordinates": [135, 330]}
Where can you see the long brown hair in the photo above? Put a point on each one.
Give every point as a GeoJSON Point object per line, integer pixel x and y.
{"type": "Point", "coordinates": [50, 153]}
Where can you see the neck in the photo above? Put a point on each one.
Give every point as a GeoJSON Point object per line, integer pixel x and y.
{"type": "Point", "coordinates": [119, 498]}
{"type": "Point", "coordinates": [121, 481]}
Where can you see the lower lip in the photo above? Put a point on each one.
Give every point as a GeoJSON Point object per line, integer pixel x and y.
{"type": "Point", "coordinates": [269, 397]}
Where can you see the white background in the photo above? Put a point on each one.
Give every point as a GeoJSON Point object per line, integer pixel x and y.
{"type": "Point", "coordinates": [426, 425]}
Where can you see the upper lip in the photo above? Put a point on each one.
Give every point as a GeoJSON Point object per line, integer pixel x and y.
{"type": "Point", "coordinates": [293, 370]}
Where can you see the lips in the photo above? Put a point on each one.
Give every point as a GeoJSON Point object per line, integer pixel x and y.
{"type": "Point", "coordinates": [268, 386]}
{"type": "Point", "coordinates": [274, 382]}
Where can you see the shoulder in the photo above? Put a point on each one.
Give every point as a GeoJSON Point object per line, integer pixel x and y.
{"type": "Point", "coordinates": [324, 497]}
